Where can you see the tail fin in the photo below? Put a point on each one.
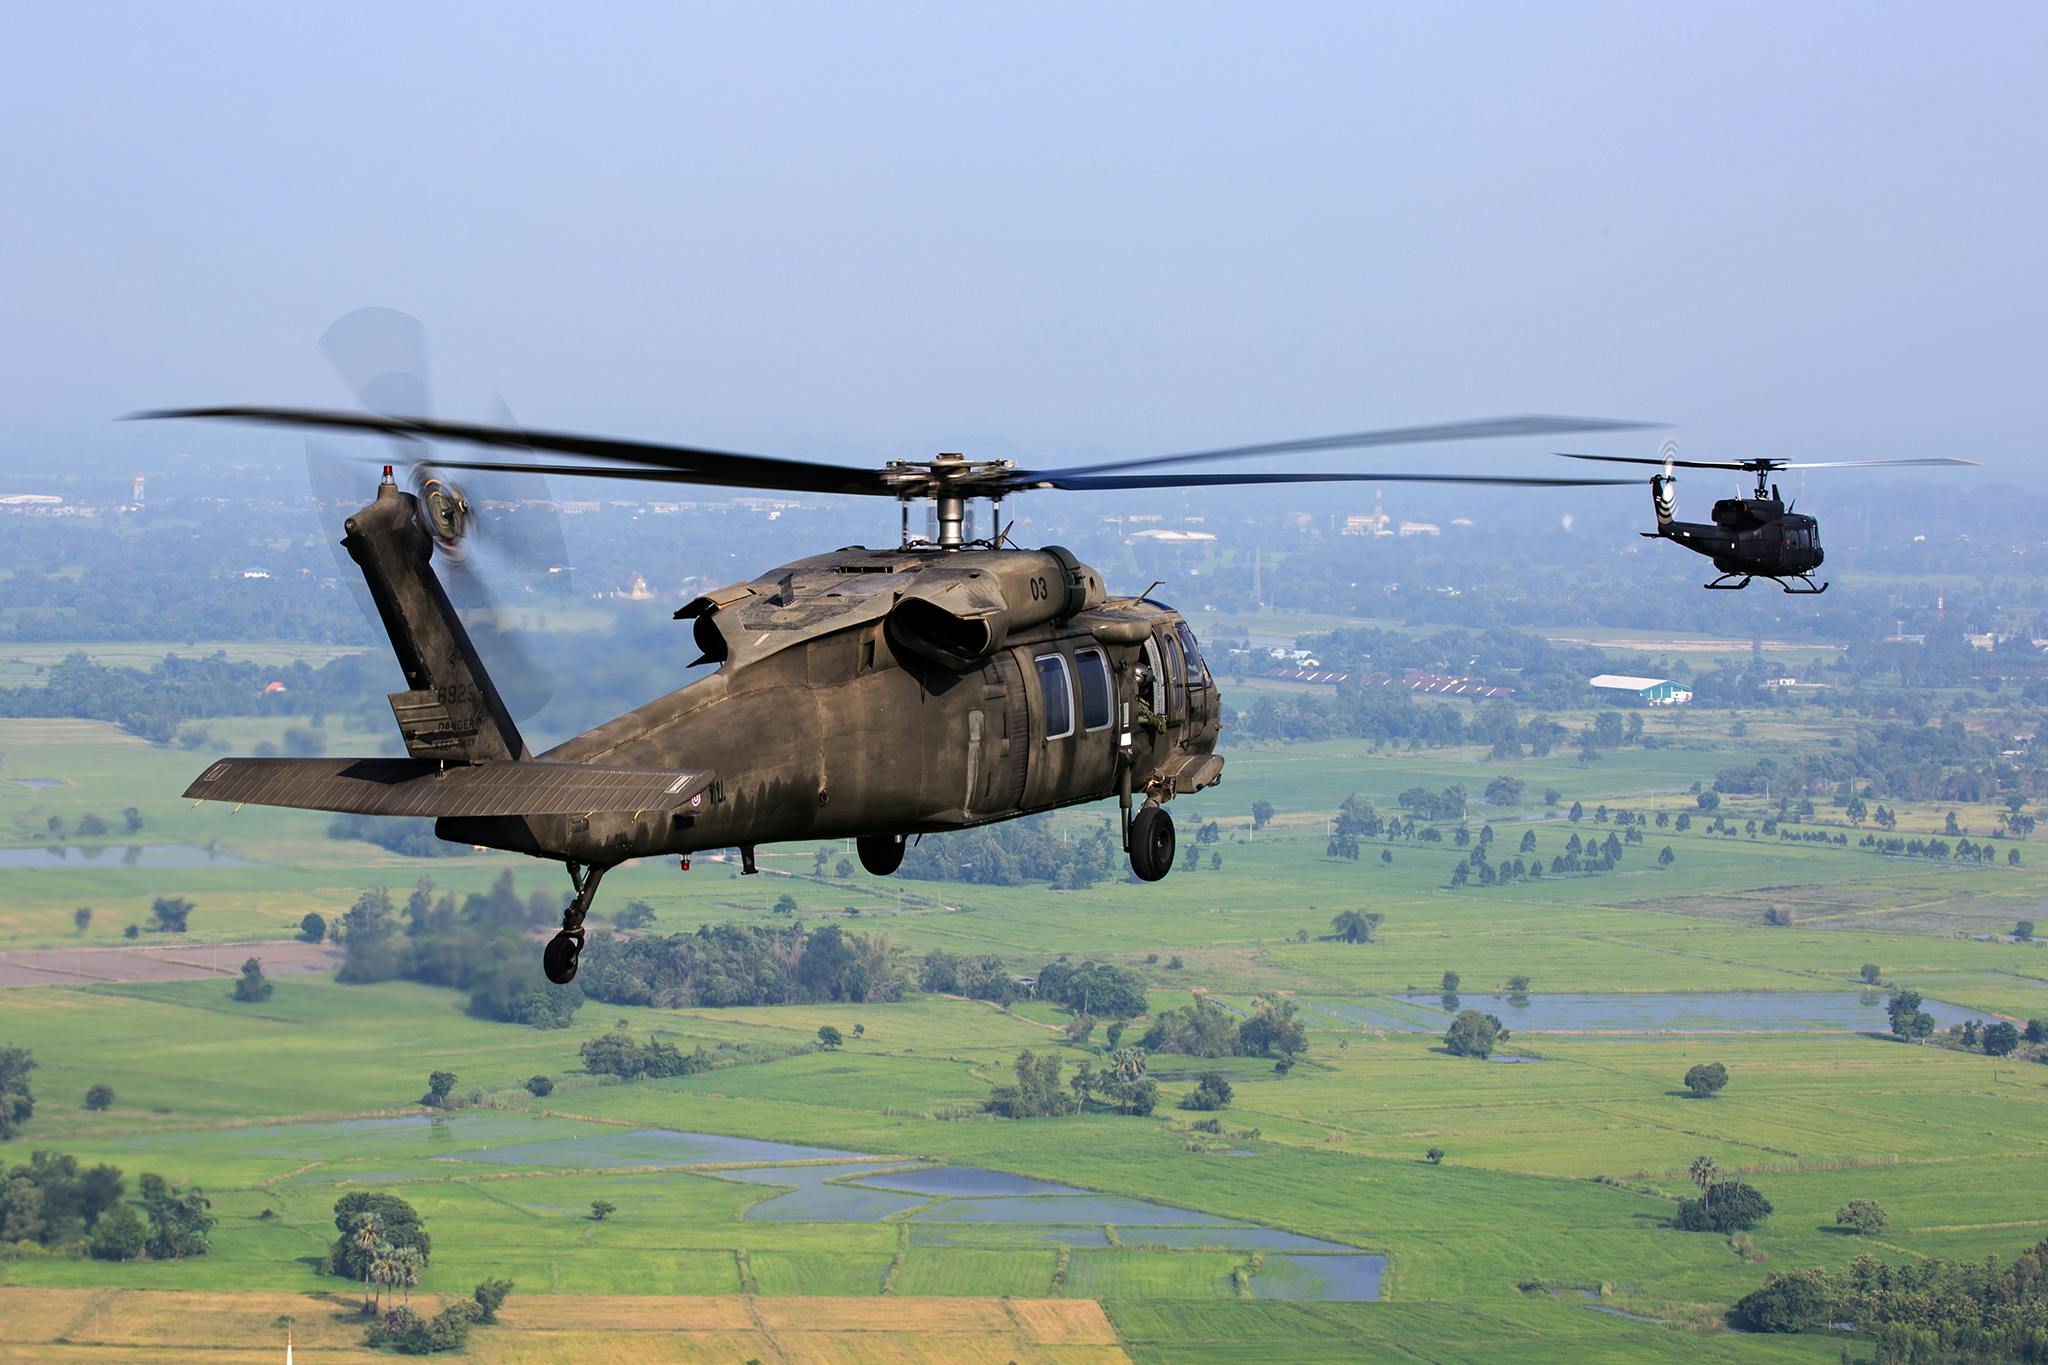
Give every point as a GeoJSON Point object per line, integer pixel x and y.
{"type": "Point", "coordinates": [452, 712]}
{"type": "Point", "coordinates": [1662, 500]}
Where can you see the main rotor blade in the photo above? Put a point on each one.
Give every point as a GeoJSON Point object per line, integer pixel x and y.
{"type": "Point", "coordinates": [1484, 429]}
{"type": "Point", "coordinates": [1090, 482]}
{"type": "Point", "coordinates": [1871, 464]}
{"type": "Point", "coordinates": [681, 464]}
{"type": "Point", "coordinates": [1765, 463]}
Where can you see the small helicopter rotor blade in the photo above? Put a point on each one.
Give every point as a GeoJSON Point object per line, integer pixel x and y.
{"type": "Point", "coordinates": [381, 354]}
{"type": "Point", "coordinates": [1484, 429]}
{"type": "Point", "coordinates": [680, 464]}
{"type": "Point", "coordinates": [1092, 482]}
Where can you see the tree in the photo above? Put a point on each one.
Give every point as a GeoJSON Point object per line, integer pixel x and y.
{"type": "Point", "coordinates": [1723, 1206]}
{"type": "Point", "coordinates": [2037, 1031]}
{"type": "Point", "coordinates": [313, 928]}
{"type": "Point", "coordinates": [1355, 926]}
{"type": "Point", "coordinates": [1036, 1092]}
{"type": "Point", "coordinates": [2001, 1038]}
{"type": "Point", "coordinates": [1551, 796]}
{"type": "Point", "coordinates": [1708, 801]}
{"type": "Point", "coordinates": [1790, 1301]}
{"type": "Point", "coordinates": [1450, 983]}
{"type": "Point", "coordinates": [1576, 813]}
{"type": "Point", "coordinates": [131, 820]}
{"type": "Point", "coordinates": [1262, 814]}
{"type": "Point", "coordinates": [1909, 1021]}
{"type": "Point", "coordinates": [489, 1296]}
{"type": "Point", "coordinates": [1706, 1079]}
{"type": "Point", "coordinates": [118, 1235]}
{"type": "Point", "coordinates": [81, 917]}
{"type": "Point", "coordinates": [843, 869]}
{"type": "Point", "coordinates": [1211, 1092]}
{"type": "Point", "coordinates": [601, 1209]}
{"type": "Point", "coordinates": [540, 1087]}
{"type": "Point", "coordinates": [367, 1219]}
{"type": "Point", "coordinates": [1505, 791]}
{"type": "Point", "coordinates": [178, 1219]}
{"type": "Point", "coordinates": [1871, 972]}
{"type": "Point", "coordinates": [634, 914]}
{"type": "Point", "coordinates": [253, 985]}
{"type": "Point", "coordinates": [1861, 1215]}
{"type": "Point", "coordinates": [1473, 1034]}
{"type": "Point", "coordinates": [17, 1102]}
{"type": "Point", "coordinates": [2023, 930]}
{"type": "Point", "coordinates": [438, 1086]}
{"type": "Point", "coordinates": [99, 1098]}
{"type": "Point", "coordinates": [829, 1037]}
{"type": "Point", "coordinates": [1666, 857]}
{"type": "Point", "coordinates": [1434, 1156]}
{"type": "Point", "coordinates": [170, 914]}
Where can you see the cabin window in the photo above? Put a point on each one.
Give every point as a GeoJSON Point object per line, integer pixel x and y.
{"type": "Point", "coordinates": [1198, 668]}
{"type": "Point", "coordinates": [1058, 695]}
{"type": "Point", "coordinates": [1149, 678]}
{"type": "Point", "coordinates": [1094, 671]}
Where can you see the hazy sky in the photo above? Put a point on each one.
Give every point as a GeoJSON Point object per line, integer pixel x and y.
{"type": "Point", "coordinates": [858, 230]}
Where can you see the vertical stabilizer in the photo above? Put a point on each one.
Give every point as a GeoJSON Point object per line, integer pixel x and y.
{"type": "Point", "coordinates": [451, 711]}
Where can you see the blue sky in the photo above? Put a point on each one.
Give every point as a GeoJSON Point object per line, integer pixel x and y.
{"type": "Point", "coordinates": [861, 231]}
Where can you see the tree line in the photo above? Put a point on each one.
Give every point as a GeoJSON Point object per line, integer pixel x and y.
{"type": "Point", "coordinates": [53, 1203]}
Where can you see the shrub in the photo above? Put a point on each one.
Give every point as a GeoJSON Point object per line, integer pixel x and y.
{"type": "Point", "coordinates": [1861, 1215]}
{"type": "Point", "coordinates": [99, 1098]}
{"type": "Point", "coordinates": [313, 928]}
{"type": "Point", "coordinates": [117, 1236]}
{"type": "Point", "coordinates": [540, 1087]}
{"type": "Point", "coordinates": [1211, 1092]}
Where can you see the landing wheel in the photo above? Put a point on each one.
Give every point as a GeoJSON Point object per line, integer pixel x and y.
{"type": "Point", "coordinates": [880, 854]}
{"type": "Point", "coordinates": [1152, 843]}
{"type": "Point", "coordinates": [560, 958]}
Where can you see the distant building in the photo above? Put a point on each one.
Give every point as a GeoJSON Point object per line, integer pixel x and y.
{"type": "Point", "coordinates": [1648, 691]}
{"type": "Point", "coordinates": [1420, 528]}
{"type": "Point", "coordinates": [255, 573]}
{"type": "Point", "coordinates": [30, 500]}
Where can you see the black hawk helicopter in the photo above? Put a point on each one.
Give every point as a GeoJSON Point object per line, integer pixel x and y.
{"type": "Point", "coordinates": [875, 694]}
{"type": "Point", "coordinates": [1754, 537]}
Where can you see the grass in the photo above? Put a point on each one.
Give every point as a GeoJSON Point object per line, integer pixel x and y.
{"type": "Point", "coordinates": [1563, 1171]}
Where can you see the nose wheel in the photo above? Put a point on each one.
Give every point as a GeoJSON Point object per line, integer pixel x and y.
{"type": "Point", "coordinates": [565, 950]}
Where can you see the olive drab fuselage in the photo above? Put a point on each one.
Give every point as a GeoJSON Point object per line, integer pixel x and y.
{"type": "Point", "coordinates": [897, 692]}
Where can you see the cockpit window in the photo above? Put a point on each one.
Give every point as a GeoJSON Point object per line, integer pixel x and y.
{"type": "Point", "coordinates": [1197, 666]}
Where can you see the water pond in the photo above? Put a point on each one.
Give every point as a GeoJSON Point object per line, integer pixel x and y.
{"type": "Point", "coordinates": [942, 1205]}
{"type": "Point", "coordinates": [59, 857]}
{"type": "Point", "coordinates": [1674, 1012]}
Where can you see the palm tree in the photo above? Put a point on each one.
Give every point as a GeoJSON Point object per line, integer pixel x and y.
{"type": "Point", "coordinates": [1129, 1062]}
{"type": "Point", "coordinates": [409, 1265]}
{"type": "Point", "coordinates": [367, 1235]}
{"type": "Point", "coordinates": [384, 1267]}
{"type": "Point", "coordinates": [1703, 1173]}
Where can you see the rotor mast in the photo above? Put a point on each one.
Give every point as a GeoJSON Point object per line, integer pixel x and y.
{"type": "Point", "coordinates": [949, 481]}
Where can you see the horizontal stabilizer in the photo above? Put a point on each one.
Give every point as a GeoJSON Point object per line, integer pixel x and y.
{"type": "Point", "coordinates": [422, 787]}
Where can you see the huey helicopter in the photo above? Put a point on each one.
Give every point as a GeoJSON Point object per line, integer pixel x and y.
{"type": "Point", "coordinates": [1754, 537]}
{"type": "Point", "coordinates": [875, 694]}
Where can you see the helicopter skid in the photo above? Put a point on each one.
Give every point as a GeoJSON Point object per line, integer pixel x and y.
{"type": "Point", "coordinates": [1799, 585]}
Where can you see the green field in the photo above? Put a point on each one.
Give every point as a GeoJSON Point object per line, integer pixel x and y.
{"type": "Point", "coordinates": [1560, 1175]}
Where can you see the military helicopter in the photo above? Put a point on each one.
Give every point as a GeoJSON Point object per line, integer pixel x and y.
{"type": "Point", "coordinates": [877, 694]}
{"type": "Point", "coordinates": [1754, 537]}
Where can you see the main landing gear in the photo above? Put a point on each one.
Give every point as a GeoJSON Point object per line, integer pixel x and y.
{"type": "Point", "coordinates": [1734, 582]}
{"type": "Point", "coordinates": [1151, 843]}
{"type": "Point", "coordinates": [559, 959]}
